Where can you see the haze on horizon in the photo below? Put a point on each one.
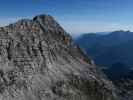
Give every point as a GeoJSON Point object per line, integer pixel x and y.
{"type": "Point", "coordinates": [76, 16]}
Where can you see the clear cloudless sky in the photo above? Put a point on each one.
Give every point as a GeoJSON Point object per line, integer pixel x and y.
{"type": "Point", "coordinates": [76, 16]}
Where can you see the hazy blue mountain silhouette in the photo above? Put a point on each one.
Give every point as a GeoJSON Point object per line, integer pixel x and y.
{"type": "Point", "coordinates": [110, 48]}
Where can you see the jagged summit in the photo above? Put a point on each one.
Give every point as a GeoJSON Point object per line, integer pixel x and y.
{"type": "Point", "coordinates": [46, 20]}
{"type": "Point", "coordinates": [38, 61]}
{"type": "Point", "coordinates": [41, 24]}
{"type": "Point", "coordinates": [43, 16]}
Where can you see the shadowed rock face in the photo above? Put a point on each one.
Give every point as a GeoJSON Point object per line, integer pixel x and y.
{"type": "Point", "coordinates": [39, 61]}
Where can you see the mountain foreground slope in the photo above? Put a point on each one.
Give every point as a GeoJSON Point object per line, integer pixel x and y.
{"type": "Point", "coordinates": [39, 61]}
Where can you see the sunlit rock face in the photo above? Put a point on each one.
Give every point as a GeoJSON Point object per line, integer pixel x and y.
{"type": "Point", "coordinates": [39, 61]}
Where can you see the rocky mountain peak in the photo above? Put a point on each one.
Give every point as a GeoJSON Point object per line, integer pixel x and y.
{"type": "Point", "coordinates": [44, 25]}
{"type": "Point", "coordinates": [38, 61]}
{"type": "Point", "coordinates": [46, 20]}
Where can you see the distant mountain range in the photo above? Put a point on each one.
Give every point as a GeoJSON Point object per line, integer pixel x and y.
{"type": "Point", "coordinates": [112, 50]}
{"type": "Point", "coordinates": [109, 48]}
{"type": "Point", "coordinates": [75, 36]}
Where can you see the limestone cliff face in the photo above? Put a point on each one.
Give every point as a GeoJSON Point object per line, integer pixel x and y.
{"type": "Point", "coordinates": [39, 61]}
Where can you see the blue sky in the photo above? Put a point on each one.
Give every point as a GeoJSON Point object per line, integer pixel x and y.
{"type": "Point", "coordinates": [76, 16]}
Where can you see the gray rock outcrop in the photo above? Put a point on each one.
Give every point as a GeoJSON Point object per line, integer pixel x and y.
{"type": "Point", "coordinates": [39, 61]}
